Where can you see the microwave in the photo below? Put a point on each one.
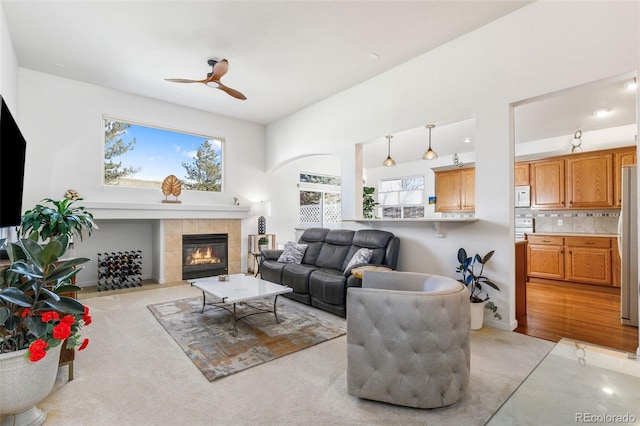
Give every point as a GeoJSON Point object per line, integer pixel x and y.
{"type": "Point", "coordinates": [523, 196]}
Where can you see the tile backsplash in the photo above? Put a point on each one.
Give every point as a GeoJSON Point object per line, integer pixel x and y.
{"type": "Point", "coordinates": [573, 221]}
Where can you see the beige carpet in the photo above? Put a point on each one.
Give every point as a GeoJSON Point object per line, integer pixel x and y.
{"type": "Point", "coordinates": [133, 373]}
{"type": "Point", "coordinates": [219, 349]}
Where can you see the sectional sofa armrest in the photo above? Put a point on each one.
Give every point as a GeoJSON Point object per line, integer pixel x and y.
{"type": "Point", "coordinates": [273, 254]}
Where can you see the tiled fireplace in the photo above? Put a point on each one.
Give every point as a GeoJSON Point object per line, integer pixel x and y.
{"type": "Point", "coordinates": [174, 229]}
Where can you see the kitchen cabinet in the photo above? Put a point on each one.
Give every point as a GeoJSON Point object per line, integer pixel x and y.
{"type": "Point", "coordinates": [622, 157]}
{"type": "Point", "coordinates": [588, 260]}
{"type": "Point", "coordinates": [521, 174]}
{"type": "Point", "coordinates": [547, 184]}
{"type": "Point", "coordinates": [590, 181]}
{"type": "Point", "coordinates": [545, 257]}
{"type": "Point", "coordinates": [578, 181]}
{"type": "Point", "coordinates": [455, 190]}
{"type": "Point", "coordinates": [579, 259]}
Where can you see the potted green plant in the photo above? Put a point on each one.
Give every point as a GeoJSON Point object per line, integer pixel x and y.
{"type": "Point", "coordinates": [35, 319]}
{"type": "Point", "coordinates": [263, 243]}
{"type": "Point", "coordinates": [57, 218]}
{"type": "Point", "coordinates": [368, 202]}
{"type": "Point", "coordinates": [472, 268]}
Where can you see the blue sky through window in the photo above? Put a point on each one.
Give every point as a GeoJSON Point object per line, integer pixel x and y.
{"type": "Point", "coordinates": [159, 153]}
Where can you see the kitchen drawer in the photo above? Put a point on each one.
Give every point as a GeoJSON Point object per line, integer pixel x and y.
{"type": "Point", "coordinates": [594, 242]}
{"type": "Point", "coordinates": [545, 240]}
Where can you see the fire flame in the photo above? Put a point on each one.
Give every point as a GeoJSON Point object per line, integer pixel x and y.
{"type": "Point", "coordinates": [202, 257]}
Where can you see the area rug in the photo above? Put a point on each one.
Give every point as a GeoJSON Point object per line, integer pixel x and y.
{"type": "Point", "coordinates": [210, 341]}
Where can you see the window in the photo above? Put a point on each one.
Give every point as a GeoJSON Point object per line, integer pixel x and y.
{"type": "Point", "coordinates": [141, 156]}
{"type": "Point", "coordinates": [320, 200]}
{"type": "Point", "coordinates": [401, 198]}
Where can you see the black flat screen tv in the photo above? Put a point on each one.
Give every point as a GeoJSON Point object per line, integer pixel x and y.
{"type": "Point", "coordinates": [12, 157]}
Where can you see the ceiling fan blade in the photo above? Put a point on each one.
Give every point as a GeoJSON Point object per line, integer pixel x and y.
{"type": "Point", "coordinates": [185, 80]}
{"type": "Point", "coordinates": [230, 91]}
{"type": "Point", "coordinates": [219, 69]}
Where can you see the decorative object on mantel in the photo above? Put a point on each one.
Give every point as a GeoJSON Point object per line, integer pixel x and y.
{"type": "Point", "coordinates": [171, 185]}
{"type": "Point", "coordinates": [71, 194]}
{"type": "Point", "coordinates": [474, 280]}
{"type": "Point", "coordinates": [236, 201]}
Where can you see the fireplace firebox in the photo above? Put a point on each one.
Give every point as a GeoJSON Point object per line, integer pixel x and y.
{"type": "Point", "coordinates": [204, 255]}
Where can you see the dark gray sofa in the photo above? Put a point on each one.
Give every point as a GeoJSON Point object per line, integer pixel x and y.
{"type": "Point", "coordinates": [321, 279]}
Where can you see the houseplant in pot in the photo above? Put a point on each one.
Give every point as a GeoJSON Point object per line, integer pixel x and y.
{"type": "Point", "coordinates": [368, 202]}
{"type": "Point", "coordinates": [472, 268]}
{"type": "Point", "coordinates": [57, 218]}
{"type": "Point", "coordinates": [35, 320]}
{"type": "Point", "coordinates": [263, 243]}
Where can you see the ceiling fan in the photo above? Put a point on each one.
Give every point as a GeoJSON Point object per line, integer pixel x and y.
{"type": "Point", "coordinates": [219, 68]}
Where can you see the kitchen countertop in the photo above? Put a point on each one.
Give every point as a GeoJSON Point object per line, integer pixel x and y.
{"type": "Point", "coordinates": [576, 234]}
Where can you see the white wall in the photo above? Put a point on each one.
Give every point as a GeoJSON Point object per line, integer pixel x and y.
{"type": "Point", "coordinates": [285, 193]}
{"type": "Point", "coordinates": [539, 49]}
{"type": "Point", "coordinates": [8, 68]}
{"type": "Point", "coordinates": [61, 120]}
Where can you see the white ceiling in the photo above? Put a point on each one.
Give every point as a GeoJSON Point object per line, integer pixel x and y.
{"type": "Point", "coordinates": [283, 55]}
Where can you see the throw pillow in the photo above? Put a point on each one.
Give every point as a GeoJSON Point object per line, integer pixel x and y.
{"type": "Point", "coordinates": [293, 253]}
{"type": "Point", "coordinates": [361, 257]}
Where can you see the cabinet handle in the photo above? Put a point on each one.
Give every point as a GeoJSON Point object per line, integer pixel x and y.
{"type": "Point", "coordinates": [589, 243]}
{"type": "Point", "coordinates": [546, 241]}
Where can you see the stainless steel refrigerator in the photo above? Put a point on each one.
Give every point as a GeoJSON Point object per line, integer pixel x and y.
{"type": "Point", "coordinates": [628, 247]}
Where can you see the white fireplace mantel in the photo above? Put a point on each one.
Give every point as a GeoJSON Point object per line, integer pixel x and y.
{"type": "Point", "coordinates": [131, 210]}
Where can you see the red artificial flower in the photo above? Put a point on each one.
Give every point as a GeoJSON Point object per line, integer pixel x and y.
{"type": "Point", "coordinates": [25, 312]}
{"type": "Point", "coordinates": [50, 315]}
{"type": "Point", "coordinates": [37, 350]}
{"type": "Point", "coordinates": [86, 317]}
{"type": "Point", "coordinates": [61, 331]}
{"type": "Point", "coordinates": [84, 344]}
{"type": "Point", "coordinates": [68, 319]}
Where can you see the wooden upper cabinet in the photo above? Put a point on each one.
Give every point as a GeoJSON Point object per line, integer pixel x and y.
{"type": "Point", "coordinates": [590, 181]}
{"type": "Point", "coordinates": [622, 158]}
{"type": "Point", "coordinates": [447, 185]}
{"type": "Point", "coordinates": [468, 189]}
{"type": "Point", "coordinates": [455, 190]}
{"type": "Point", "coordinates": [547, 184]}
{"type": "Point", "coordinates": [521, 174]}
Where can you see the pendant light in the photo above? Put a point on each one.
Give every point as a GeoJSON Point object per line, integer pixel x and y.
{"type": "Point", "coordinates": [389, 161]}
{"type": "Point", "coordinates": [430, 154]}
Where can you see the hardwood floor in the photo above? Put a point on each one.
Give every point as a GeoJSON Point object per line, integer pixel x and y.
{"type": "Point", "coordinates": [582, 312]}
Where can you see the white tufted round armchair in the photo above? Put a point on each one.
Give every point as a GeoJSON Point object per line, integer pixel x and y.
{"type": "Point", "coordinates": [408, 339]}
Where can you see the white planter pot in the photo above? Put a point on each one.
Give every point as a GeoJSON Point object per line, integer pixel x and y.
{"type": "Point", "coordinates": [477, 315]}
{"type": "Point", "coordinates": [25, 384]}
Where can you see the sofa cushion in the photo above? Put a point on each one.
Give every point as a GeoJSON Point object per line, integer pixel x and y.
{"type": "Point", "coordinates": [373, 239]}
{"type": "Point", "coordinates": [328, 285]}
{"type": "Point", "coordinates": [335, 248]}
{"type": "Point", "coordinates": [297, 277]}
{"type": "Point", "coordinates": [361, 257]}
{"type": "Point", "coordinates": [292, 253]}
{"type": "Point", "coordinates": [314, 238]}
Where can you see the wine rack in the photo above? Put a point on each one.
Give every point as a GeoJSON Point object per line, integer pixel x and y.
{"type": "Point", "coordinates": [121, 269]}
